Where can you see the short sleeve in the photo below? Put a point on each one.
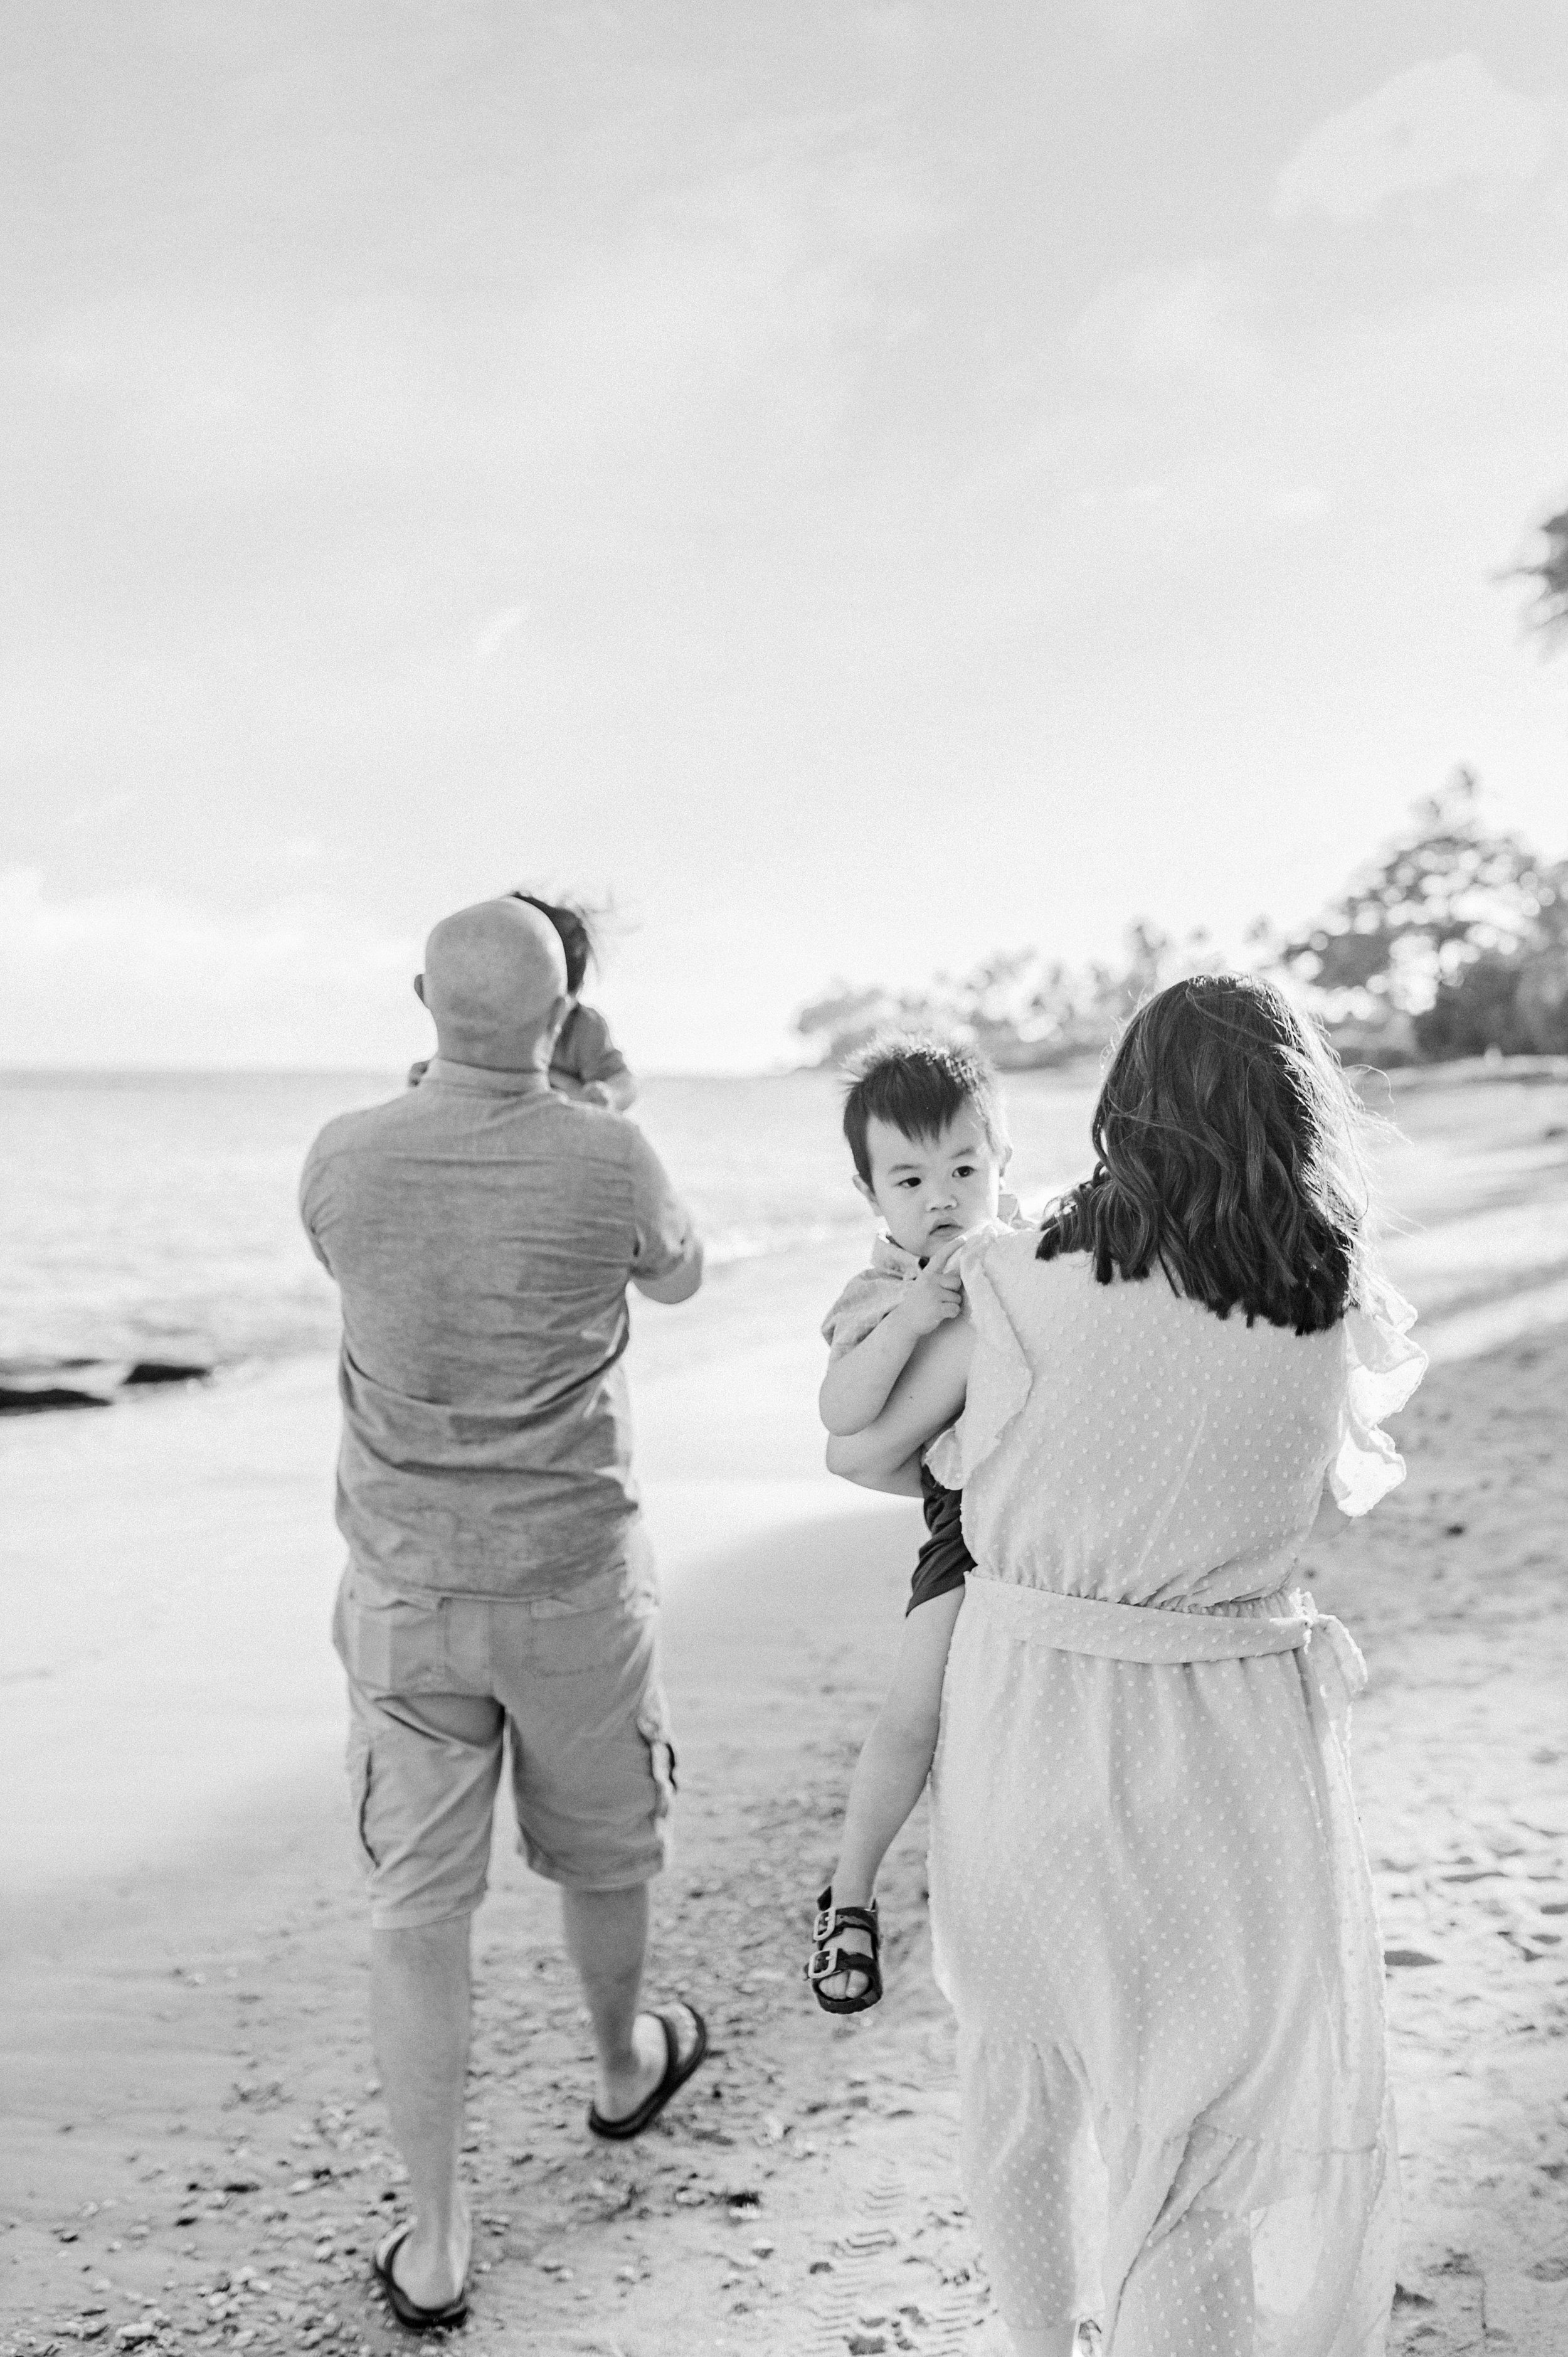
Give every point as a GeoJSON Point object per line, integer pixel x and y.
{"type": "Point", "coordinates": [585, 1050]}
{"type": "Point", "coordinates": [664, 1231]}
{"type": "Point", "coordinates": [310, 1187]}
{"type": "Point", "coordinates": [859, 1310]}
{"type": "Point", "coordinates": [1000, 1375]}
{"type": "Point", "coordinates": [1382, 1368]}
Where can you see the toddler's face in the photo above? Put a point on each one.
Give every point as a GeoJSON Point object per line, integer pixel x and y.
{"type": "Point", "coordinates": [928, 1188]}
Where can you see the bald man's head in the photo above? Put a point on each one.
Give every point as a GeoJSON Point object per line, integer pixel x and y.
{"type": "Point", "coordinates": [494, 982]}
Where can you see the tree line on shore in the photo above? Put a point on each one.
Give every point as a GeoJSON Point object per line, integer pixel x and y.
{"type": "Point", "coordinates": [1452, 942]}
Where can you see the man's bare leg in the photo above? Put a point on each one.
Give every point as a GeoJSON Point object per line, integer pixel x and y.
{"type": "Point", "coordinates": [420, 2007]}
{"type": "Point", "coordinates": [607, 1939]}
{"type": "Point", "coordinates": [419, 2018]}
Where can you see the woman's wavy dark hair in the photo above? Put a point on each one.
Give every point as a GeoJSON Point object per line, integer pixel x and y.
{"type": "Point", "coordinates": [1227, 1145]}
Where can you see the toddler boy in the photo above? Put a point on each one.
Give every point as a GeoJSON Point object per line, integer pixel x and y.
{"type": "Point", "coordinates": [923, 1122]}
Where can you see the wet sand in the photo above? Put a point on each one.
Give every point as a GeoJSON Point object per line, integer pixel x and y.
{"type": "Point", "coordinates": [195, 2154]}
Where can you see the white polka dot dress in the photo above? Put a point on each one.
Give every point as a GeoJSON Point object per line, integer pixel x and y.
{"type": "Point", "coordinates": [1150, 1901]}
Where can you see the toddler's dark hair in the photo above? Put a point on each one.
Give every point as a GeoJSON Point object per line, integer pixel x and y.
{"type": "Point", "coordinates": [918, 1084]}
{"type": "Point", "coordinates": [578, 940]}
{"type": "Point", "coordinates": [1227, 1153]}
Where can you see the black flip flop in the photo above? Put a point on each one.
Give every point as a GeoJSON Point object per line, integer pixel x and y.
{"type": "Point", "coordinates": [408, 2312]}
{"type": "Point", "coordinates": [676, 2075]}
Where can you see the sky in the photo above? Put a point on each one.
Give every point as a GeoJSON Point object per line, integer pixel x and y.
{"type": "Point", "coordinates": [856, 485]}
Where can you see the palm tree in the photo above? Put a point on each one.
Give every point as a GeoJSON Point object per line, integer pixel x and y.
{"type": "Point", "coordinates": [1549, 613]}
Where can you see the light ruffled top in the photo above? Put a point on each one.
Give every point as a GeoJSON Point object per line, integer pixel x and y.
{"type": "Point", "coordinates": [1220, 1435]}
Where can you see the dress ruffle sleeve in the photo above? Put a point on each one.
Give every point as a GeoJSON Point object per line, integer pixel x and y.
{"type": "Point", "coordinates": [1383, 1367]}
{"type": "Point", "coordinates": [1000, 1375]}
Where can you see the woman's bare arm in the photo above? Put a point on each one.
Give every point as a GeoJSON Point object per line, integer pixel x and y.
{"type": "Point", "coordinates": [899, 1482]}
{"type": "Point", "coordinates": [926, 1397]}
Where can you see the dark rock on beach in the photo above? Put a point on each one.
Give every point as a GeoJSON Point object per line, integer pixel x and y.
{"type": "Point", "coordinates": [28, 1386]}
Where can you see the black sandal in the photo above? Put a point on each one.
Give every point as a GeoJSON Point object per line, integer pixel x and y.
{"type": "Point", "coordinates": [829, 1958]}
{"type": "Point", "coordinates": [676, 2073]}
{"type": "Point", "coordinates": [407, 2312]}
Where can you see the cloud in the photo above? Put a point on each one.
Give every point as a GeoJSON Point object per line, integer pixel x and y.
{"type": "Point", "coordinates": [1142, 25]}
{"type": "Point", "coordinates": [1183, 324]}
{"type": "Point", "coordinates": [144, 977]}
{"type": "Point", "coordinates": [1440, 123]}
{"type": "Point", "coordinates": [503, 626]}
{"type": "Point", "coordinates": [97, 811]}
{"type": "Point", "coordinates": [732, 306]}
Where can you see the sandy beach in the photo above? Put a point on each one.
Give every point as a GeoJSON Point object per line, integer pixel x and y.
{"type": "Point", "coordinates": [196, 2155]}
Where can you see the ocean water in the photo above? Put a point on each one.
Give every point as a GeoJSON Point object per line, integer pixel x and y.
{"type": "Point", "coordinates": [151, 1214]}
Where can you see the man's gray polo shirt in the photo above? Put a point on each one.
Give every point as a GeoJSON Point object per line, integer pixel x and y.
{"type": "Point", "coordinates": [482, 1231]}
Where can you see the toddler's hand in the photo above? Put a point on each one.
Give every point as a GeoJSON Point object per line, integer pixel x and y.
{"type": "Point", "coordinates": [595, 1092]}
{"type": "Point", "coordinates": [936, 1293]}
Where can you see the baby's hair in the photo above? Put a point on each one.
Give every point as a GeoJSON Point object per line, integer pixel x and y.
{"type": "Point", "coordinates": [918, 1084]}
{"type": "Point", "coordinates": [1227, 1145]}
{"type": "Point", "coordinates": [579, 941]}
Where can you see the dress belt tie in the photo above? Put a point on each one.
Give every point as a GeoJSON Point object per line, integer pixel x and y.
{"type": "Point", "coordinates": [1332, 1665]}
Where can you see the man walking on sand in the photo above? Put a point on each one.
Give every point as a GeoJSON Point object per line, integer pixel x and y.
{"type": "Point", "coordinates": [482, 1231]}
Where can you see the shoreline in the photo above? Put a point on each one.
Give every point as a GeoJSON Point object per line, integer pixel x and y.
{"type": "Point", "coordinates": [177, 1651]}
{"type": "Point", "coordinates": [178, 1654]}
{"type": "Point", "coordinates": [215, 1306]}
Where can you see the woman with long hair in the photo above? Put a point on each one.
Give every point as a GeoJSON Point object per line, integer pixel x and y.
{"type": "Point", "coordinates": [1149, 1902]}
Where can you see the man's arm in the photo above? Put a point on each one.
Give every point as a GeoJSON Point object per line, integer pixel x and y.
{"type": "Point", "coordinates": [924, 1400]}
{"type": "Point", "coordinates": [667, 1251]}
{"type": "Point", "coordinates": [677, 1283]}
{"type": "Point", "coordinates": [309, 1194]}
{"type": "Point", "coordinates": [855, 1387]}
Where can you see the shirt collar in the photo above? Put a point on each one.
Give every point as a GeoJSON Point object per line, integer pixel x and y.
{"type": "Point", "coordinates": [889, 1259]}
{"type": "Point", "coordinates": [484, 1081]}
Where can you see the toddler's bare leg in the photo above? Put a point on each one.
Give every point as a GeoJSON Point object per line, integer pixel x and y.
{"type": "Point", "coordinates": [894, 1763]}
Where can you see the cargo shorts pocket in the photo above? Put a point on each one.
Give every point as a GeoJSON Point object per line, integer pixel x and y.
{"type": "Point", "coordinates": [653, 1726]}
{"type": "Point", "coordinates": [360, 1792]}
{"type": "Point", "coordinates": [390, 1645]}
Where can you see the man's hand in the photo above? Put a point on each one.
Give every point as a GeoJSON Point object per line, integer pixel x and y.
{"type": "Point", "coordinates": [937, 1294]}
{"type": "Point", "coordinates": [677, 1283]}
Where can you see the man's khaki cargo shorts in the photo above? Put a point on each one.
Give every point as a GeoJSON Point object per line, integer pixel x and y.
{"type": "Point", "coordinates": [437, 1687]}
